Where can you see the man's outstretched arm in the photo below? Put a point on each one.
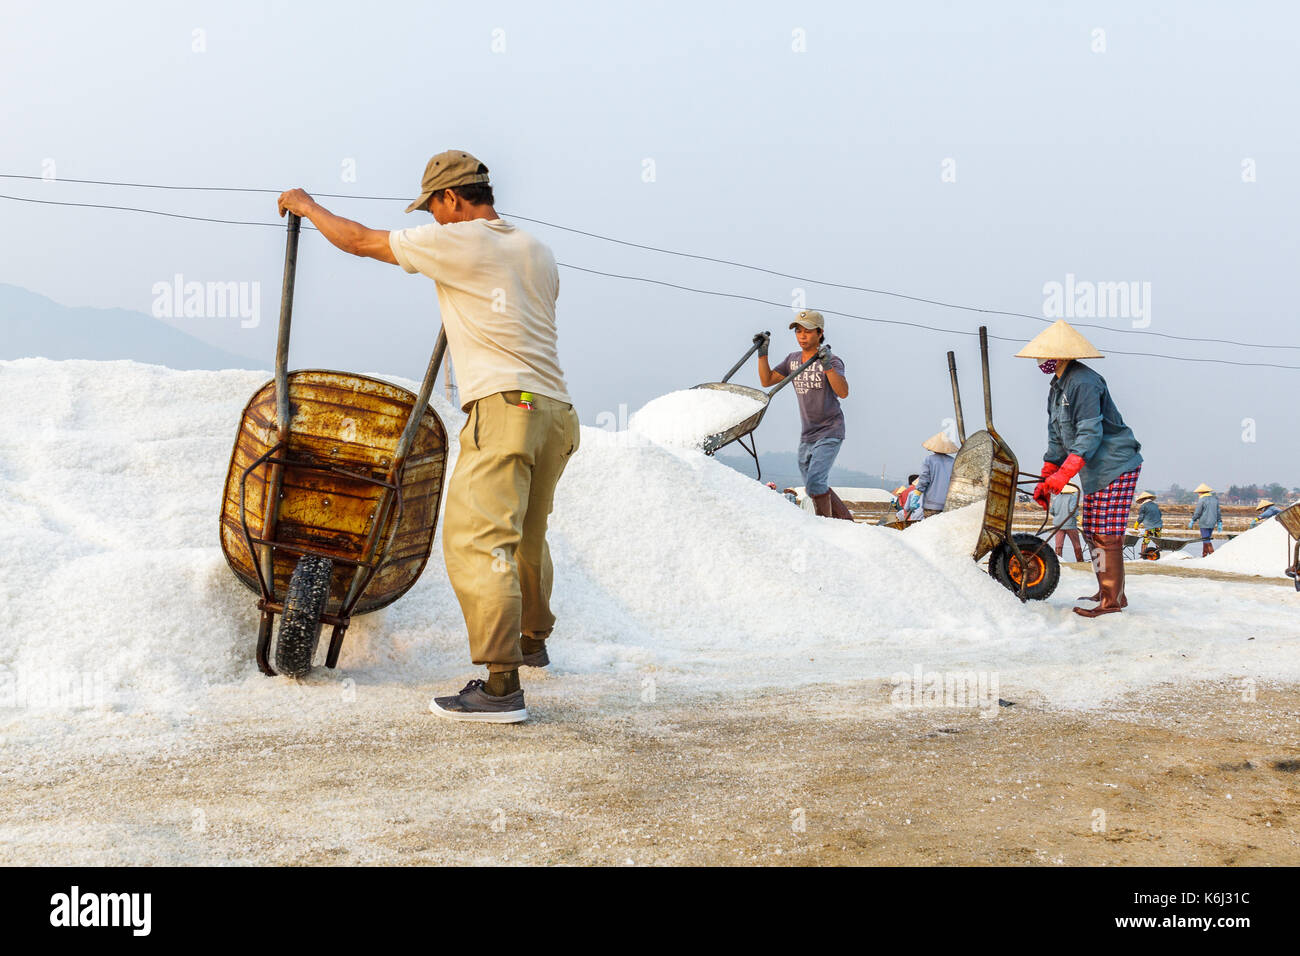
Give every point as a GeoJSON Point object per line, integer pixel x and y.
{"type": "Point", "coordinates": [349, 236]}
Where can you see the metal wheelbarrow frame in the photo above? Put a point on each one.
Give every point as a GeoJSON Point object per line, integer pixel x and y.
{"type": "Point", "coordinates": [332, 495]}
{"type": "Point", "coordinates": [986, 468]}
{"type": "Point", "coordinates": [736, 433]}
{"type": "Point", "coordinates": [1289, 518]}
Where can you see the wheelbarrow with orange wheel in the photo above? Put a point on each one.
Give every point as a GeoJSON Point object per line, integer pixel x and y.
{"type": "Point", "coordinates": [331, 496]}
{"type": "Point", "coordinates": [987, 469]}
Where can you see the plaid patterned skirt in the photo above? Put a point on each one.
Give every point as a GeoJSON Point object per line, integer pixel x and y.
{"type": "Point", "coordinates": [1106, 511]}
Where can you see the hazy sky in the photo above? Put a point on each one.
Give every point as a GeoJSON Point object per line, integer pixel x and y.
{"type": "Point", "coordinates": [965, 152]}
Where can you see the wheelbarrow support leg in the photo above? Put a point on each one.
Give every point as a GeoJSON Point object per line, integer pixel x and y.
{"type": "Point", "coordinates": [264, 644]}
{"type": "Point", "coordinates": [752, 450]}
{"type": "Point", "coordinates": [336, 645]}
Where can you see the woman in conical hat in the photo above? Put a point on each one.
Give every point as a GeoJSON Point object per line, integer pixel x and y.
{"type": "Point", "coordinates": [936, 472]}
{"type": "Point", "coordinates": [1150, 522]}
{"type": "Point", "coordinates": [1206, 517]}
{"type": "Point", "coordinates": [1088, 444]}
{"type": "Point", "coordinates": [1264, 510]}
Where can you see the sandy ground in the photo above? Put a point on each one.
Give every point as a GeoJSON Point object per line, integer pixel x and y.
{"type": "Point", "coordinates": [1191, 775]}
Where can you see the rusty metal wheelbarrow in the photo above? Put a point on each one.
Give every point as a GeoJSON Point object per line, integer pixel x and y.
{"type": "Point", "coordinates": [1289, 518]}
{"type": "Point", "coordinates": [986, 468]}
{"type": "Point", "coordinates": [737, 432]}
{"type": "Point", "coordinates": [331, 497]}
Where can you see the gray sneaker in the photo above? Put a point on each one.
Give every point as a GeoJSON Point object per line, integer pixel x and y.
{"type": "Point", "coordinates": [534, 652]}
{"type": "Point", "coordinates": [474, 703]}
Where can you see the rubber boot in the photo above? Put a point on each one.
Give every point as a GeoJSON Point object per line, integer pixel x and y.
{"type": "Point", "coordinates": [838, 508]}
{"type": "Point", "coordinates": [1207, 549]}
{"type": "Point", "coordinates": [822, 505]}
{"type": "Point", "coordinates": [1094, 549]}
{"type": "Point", "coordinates": [1110, 576]}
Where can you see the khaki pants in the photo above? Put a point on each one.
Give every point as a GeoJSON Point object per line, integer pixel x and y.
{"type": "Point", "coordinates": [494, 531]}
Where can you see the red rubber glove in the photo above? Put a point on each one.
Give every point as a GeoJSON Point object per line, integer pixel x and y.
{"type": "Point", "coordinates": [1041, 494]}
{"type": "Point", "coordinates": [1061, 477]}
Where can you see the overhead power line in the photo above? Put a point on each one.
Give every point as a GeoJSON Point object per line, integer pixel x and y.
{"type": "Point", "coordinates": [702, 258]}
{"type": "Point", "coordinates": [914, 325]}
{"type": "Point", "coordinates": [672, 285]}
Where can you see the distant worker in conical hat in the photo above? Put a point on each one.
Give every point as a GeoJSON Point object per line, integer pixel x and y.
{"type": "Point", "coordinates": [1089, 444]}
{"type": "Point", "coordinates": [1150, 522]}
{"type": "Point", "coordinates": [818, 389]}
{"type": "Point", "coordinates": [1065, 519]}
{"type": "Point", "coordinates": [936, 472]}
{"type": "Point", "coordinates": [1263, 511]}
{"type": "Point", "coordinates": [1206, 517]}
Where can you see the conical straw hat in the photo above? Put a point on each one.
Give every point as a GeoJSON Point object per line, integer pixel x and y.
{"type": "Point", "coordinates": [1145, 495]}
{"type": "Point", "coordinates": [1059, 341]}
{"type": "Point", "coordinates": [1263, 504]}
{"type": "Point", "coordinates": [1070, 489]}
{"type": "Point", "coordinates": [940, 444]}
{"type": "Point", "coordinates": [1202, 488]}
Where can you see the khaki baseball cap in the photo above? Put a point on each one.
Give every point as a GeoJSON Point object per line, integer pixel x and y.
{"type": "Point", "coordinates": [455, 167]}
{"type": "Point", "coordinates": [809, 320]}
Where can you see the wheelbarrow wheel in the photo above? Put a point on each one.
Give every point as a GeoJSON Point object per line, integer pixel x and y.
{"type": "Point", "coordinates": [1041, 571]}
{"type": "Point", "coordinates": [300, 626]}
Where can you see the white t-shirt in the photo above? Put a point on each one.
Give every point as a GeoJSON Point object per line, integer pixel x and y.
{"type": "Point", "coordinates": [497, 287]}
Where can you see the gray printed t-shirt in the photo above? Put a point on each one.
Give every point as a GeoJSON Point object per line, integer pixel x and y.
{"type": "Point", "coordinates": [819, 406]}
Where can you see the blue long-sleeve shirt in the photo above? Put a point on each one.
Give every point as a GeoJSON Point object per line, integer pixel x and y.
{"type": "Point", "coordinates": [1062, 505]}
{"type": "Point", "coordinates": [1206, 514]}
{"type": "Point", "coordinates": [1082, 420]}
{"type": "Point", "coordinates": [936, 472]}
{"type": "Point", "coordinates": [1149, 515]}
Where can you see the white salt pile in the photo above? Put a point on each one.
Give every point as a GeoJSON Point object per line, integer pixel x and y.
{"type": "Point", "coordinates": [667, 565]}
{"type": "Point", "coordinates": [1264, 550]}
{"type": "Point", "coordinates": [688, 417]}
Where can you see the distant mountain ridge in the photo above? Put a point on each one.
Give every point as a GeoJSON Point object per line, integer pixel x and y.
{"type": "Point", "coordinates": [34, 326]}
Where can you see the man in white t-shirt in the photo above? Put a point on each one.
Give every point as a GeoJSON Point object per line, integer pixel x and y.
{"type": "Point", "coordinates": [497, 288]}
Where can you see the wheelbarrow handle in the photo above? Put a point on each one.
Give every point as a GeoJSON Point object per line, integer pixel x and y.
{"type": "Point", "coordinates": [286, 317]}
{"type": "Point", "coordinates": [956, 398]}
{"type": "Point", "coordinates": [407, 439]}
{"type": "Point", "coordinates": [1028, 478]}
{"type": "Point", "coordinates": [745, 358]}
{"type": "Point", "coordinates": [786, 381]}
{"type": "Point", "coordinates": [984, 367]}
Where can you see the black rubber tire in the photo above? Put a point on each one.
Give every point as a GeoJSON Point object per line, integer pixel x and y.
{"type": "Point", "coordinates": [300, 625]}
{"type": "Point", "coordinates": [1035, 549]}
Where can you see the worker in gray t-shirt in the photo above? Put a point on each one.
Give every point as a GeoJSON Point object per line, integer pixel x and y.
{"type": "Point", "coordinates": [819, 389]}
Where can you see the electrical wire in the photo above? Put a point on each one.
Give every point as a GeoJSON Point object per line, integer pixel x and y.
{"type": "Point", "coordinates": [702, 258]}
{"type": "Point", "coordinates": [659, 282]}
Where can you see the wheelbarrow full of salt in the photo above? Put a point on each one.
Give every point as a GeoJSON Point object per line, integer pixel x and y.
{"type": "Point", "coordinates": [744, 428]}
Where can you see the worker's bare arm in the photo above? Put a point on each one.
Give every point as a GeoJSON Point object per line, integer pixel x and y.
{"type": "Point", "coordinates": [766, 376]}
{"type": "Point", "coordinates": [351, 237]}
{"type": "Point", "coordinates": [838, 383]}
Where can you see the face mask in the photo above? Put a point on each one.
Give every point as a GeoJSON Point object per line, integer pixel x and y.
{"type": "Point", "coordinates": [1048, 367]}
